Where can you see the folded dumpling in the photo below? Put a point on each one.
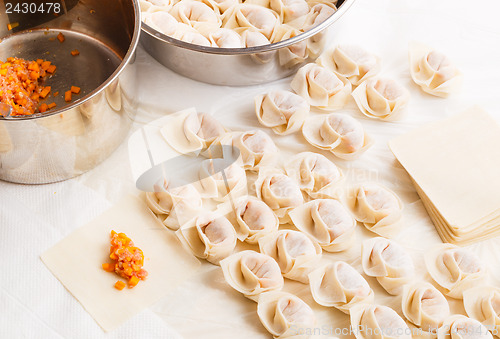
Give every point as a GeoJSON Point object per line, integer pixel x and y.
{"type": "Point", "coordinates": [338, 133]}
{"type": "Point", "coordinates": [296, 253]}
{"type": "Point", "coordinates": [318, 12]}
{"type": "Point", "coordinates": [321, 87]}
{"type": "Point", "coordinates": [220, 182]}
{"type": "Point", "coordinates": [460, 327]}
{"type": "Point", "coordinates": [424, 306]}
{"type": "Point", "coordinates": [378, 322]}
{"type": "Point", "coordinates": [174, 205]}
{"type": "Point", "coordinates": [378, 208]}
{"type": "Point", "coordinates": [161, 21]}
{"type": "Point", "coordinates": [279, 192]}
{"type": "Point", "coordinates": [220, 5]}
{"type": "Point", "coordinates": [190, 35]}
{"type": "Point", "coordinates": [455, 269]}
{"type": "Point", "coordinates": [433, 71]}
{"type": "Point", "coordinates": [381, 98]}
{"type": "Point", "coordinates": [483, 304]}
{"type": "Point", "coordinates": [253, 39]}
{"type": "Point", "coordinates": [261, 19]}
{"type": "Point", "coordinates": [351, 62]}
{"type": "Point", "coordinates": [290, 10]}
{"type": "Point", "coordinates": [327, 221]}
{"type": "Point", "coordinates": [284, 315]}
{"type": "Point", "coordinates": [225, 38]}
{"type": "Point", "coordinates": [255, 219]}
{"type": "Point", "coordinates": [339, 285]}
{"type": "Point", "coordinates": [252, 273]}
{"type": "Point", "coordinates": [315, 174]}
{"type": "Point", "coordinates": [283, 111]}
{"type": "Point", "coordinates": [196, 14]}
{"type": "Point", "coordinates": [189, 131]}
{"type": "Point", "coordinates": [153, 6]}
{"type": "Point", "coordinates": [294, 54]}
{"type": "Point", "coordinates": [209, 236]}
{"type": "Point", "coordinates": [387, 261]}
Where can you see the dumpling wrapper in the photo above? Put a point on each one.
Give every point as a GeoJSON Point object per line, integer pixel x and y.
{"type": "Point", "coordinates": [461, 327]}
{"type": "Point", "coordinates": [327, 221]}
{"type": "Point", "coordinates": [387, 261]}
{"type": "Point", "coordinates": [225, 38]}
{"type": "Point", "coordinates": [259, 18]}
{"type": "Point", "coordinates": [196, 14]}
{"type": "Point", "coordinates": [483, 304]}
{"type": "Point", "coordinates": [163, 22]}
{"type": "Point", "coordinates": [378, 322]}
{"type": "Point", "coordinates": [339, 285]}
{"type": "Point", "coordinates": [190, 35]}
{"type": "Point", "coordinates": [294, 54]}
{"type": "Point", "coordinates": [88, 246]}
{"type": "Point", "coordinates": [290, 10]}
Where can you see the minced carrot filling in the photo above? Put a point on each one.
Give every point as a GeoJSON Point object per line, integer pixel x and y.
{"type": "Point", "coordinates": [127, 260]}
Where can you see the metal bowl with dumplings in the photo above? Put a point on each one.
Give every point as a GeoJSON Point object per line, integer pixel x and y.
{"type": "Point", "coordinates": [237, 66]}
{"type": "Point", "coordinates": [75, 136]}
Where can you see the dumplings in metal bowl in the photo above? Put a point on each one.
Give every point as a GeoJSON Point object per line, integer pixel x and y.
{"type": "Point", "coordinates": [296, 253]}
{"type": "Point", "coordinates": [378, 322]}
{"type": "Point", "coordinates": [283, 314]}
{"type": "Point", "coordinates": [225, 38]}
{"type": "Point", "coordinates": [258, 18]}
{"type": "Point", "coordinates": [381, 98]}
{"type": "Point", "coordinates": [255, 219]}
{"type": "Point", "coordinates": [321, 87]}
{"type": "Point", "coordinates": [339, 285]}
{"type": "Point", "coordinates": [425, 306]}
{"type": "Point", "coordinates": [351, 62]}
{"type": "Point", "coordinates": [196, 14]}
{"type": "Point", "coordinates": [461, 327]}
{"type": "Point", "coordinates": [283, 111]}
{"type": "Point", "coordinates": [455, 269]}
{"type": "Point", "coordinates": [483, 304]}
{"type": "Point", "coordinates": [290, 10]}
{"type": "Point", "coordinates": [340, 134]}
{"type": "Point", "coordinates": [387, 261]}
{"type": "Point", "coordinates": [433, 71]}
{"type": "Point", "coordinates": [161, 21]}
{"type": "Point", "coordinates": [327, 221]}
{"type": "Point", "coordinates": [252, 273]}
{"type": "Point", "coordinates": [378, 208]}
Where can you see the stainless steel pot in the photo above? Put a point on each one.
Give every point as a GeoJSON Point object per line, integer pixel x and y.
{"type": "Point", "coordinates": [237, 66]}
{"type": "Point", "coordinates": [74, 137]}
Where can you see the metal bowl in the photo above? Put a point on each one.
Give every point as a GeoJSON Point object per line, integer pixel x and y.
{"type": "Point", "coordinates": [236, 66]}
{"type": "Point", "coordinates": [74, 138]}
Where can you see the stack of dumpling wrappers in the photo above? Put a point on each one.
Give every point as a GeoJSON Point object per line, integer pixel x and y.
{"type": "Point", "coordinates": [455, 167]}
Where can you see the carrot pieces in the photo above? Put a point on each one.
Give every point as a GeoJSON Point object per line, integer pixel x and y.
{"type": "Point", "coordinates": [75, 52]}
{"type": "Point", "coordinates": [52, 105]}
{"type": "Point", "coordinates": [51, 69]}
{"type": "Point", "coordinates": [45, 65]}
{"type": "Point", "coordinates": [61, 37]}
{"type": "Point", "coordinates": [120, 285]}
{"type": "Point", "coordinates": [75, 89]}
{"type": "Point", "coordinates": [43, 108]}
{"type": "Point", "coordinates": [45, 91]}
{"type": "Point", "coordinates": [67, 96]}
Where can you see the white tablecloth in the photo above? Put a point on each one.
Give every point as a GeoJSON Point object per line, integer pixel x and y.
{"type": "Point", "coordinates": [33, 304]}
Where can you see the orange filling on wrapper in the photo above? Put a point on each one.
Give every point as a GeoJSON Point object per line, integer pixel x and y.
{"type": "Point", "coordinates": [127, 260]}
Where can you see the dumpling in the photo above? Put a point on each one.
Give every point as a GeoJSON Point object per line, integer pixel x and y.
{"type": "Point", "coordinates": [196, 14]}
{"type": "Point", "coordinates": [226, 38]}
{"type": "Point", "coordinates": [388, 262]}
{"type": "Point", "coordinates": [433, 71]}
{"type": "Point", "coordinates": [279, 192]}
{"type": "Point", "coordinates": [380, 98]}
{"type": "Point", "coordinates": [424, 306]}
{"type": "Point", "coordinates": [174, 205]}
{"type": "Point", "coordinates": [318, 13]}
{"type": "Point", "coordinates": [294, 54]}
{"type": "Point", "coordinates": [483, 304]}
{"type": "Point", "coordinates": [351, 62]}
{"type": "Point", "coordinates": [162, 22]}
{"type": "Point", "coordinates": [296, 253]}
{"type": "Point", "coordinates": [338, 133]}
{"type": "Point", "coordinates": [261, 19]}
{"type": "Point", "coordinates": [190, 35]}
{"type": "Point", "coordinates": [315, 174]}
{"type": "Point", "coordinates": [252, 273]}
{"type": "Point", "coordinates": [283, 314]}
{"type": "Point", "coordinates": [455, 269]}
{"type": "Point", "coordinates": [378, 322]}
{"type": "Point", "coordinates": [255, 219]}
{"type": "Point", "coordinates": [215, 185]}
{"type": "Point", "coordinates": [290, 10]}
{"type": "Point", "coordinates": [153, 6]}
{"type": "Point", "coordinates": [327, 222]}
{"type": "Point", "coordinates": [377, 207]}
{"type": "Point", "coordinates": [189, 131]}
{"type": "Point", "coordinates": [283, 111]}
{"type": "Point", "coordinates": [254, 39]}
{"type": "Point", "coordinates": [220, 5]}
{"type": "Point", "coordinates": [461, 327]}
{"type": "Point", "coordinates": [322, 88]}
{"type": "Point", "coordinates": [339, 285]}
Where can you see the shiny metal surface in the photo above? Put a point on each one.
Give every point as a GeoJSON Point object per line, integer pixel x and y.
{"type": "Point", "coordinates": [76, 136]}
{"type": "Point", "coordinates": [237, 66]}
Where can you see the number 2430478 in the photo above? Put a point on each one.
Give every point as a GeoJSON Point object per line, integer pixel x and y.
{"type": "Point", "coordinates": [32, 8]}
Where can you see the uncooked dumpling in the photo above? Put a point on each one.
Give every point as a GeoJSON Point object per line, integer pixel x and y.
{"type": "Point", "coordinates": [229, 182]}
{"type": "Point", "coordinates": [294, 54]}
{"type": "Point", "coordinates": [315, 174]}
{"type": "Point", "coordinates": [321, 87]}
{"type": "Point", "coordinates": [161, 21]}
{"type": "Point", "coordinates": [483, 304]}
{"type": "Point", "coordinates": [279, 192]}
{"type": "Point", "coordinates": [255, 219]}
{"type": "Point", "coordinates": [209, 236]}
{"type": "Point", "coordinates": [327, 221]}
{"type": "Point", "coordinates": [256, 17]}
{"type": "Point", "coordinates": [290, 10]}
{"type": "Point", "coordinates": [387, 261]}
{"type": "Point", "coordinates": [433, 71]}
{"type": "Point", "coordinates": [153, 6]}
{"type": "Point", "coordinates": [377, 207]}
{"type": "Point", "coordinates": [226, 38]}
{"type": "Point", "coordinates": [351, 62]}
{"type": "Point", "coordinates": [190, 35]}
{"type": "Point", "coordinates": [252, 273]}
{"type": "Point", "coordinates": [461, 327]}
{"type": "Point", "coordinates": [424, 306]}
{"type": "Point", "coordinates": [220, 5]}
{"type": "Point", "coordinates": [296, 253]}
{"type": "Point", "coordinates": [283, 315]}
{"type": "Point", "coordinates": [283, 111]}
{"type": "Point", "coordinates": [378, 322]}
{"type": "Point", "coordinates": [381, 98]}
{"type": "Point", "coordinates": [338, 133]}
{"type": "Point", "coordinates": [339, 285]}
{"type": "Point", "coordinates": [455, 269]}
{"type": "Point", "coordinates": [318, 13]}
{"type": "Point", "coordinates": [196, 14]}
